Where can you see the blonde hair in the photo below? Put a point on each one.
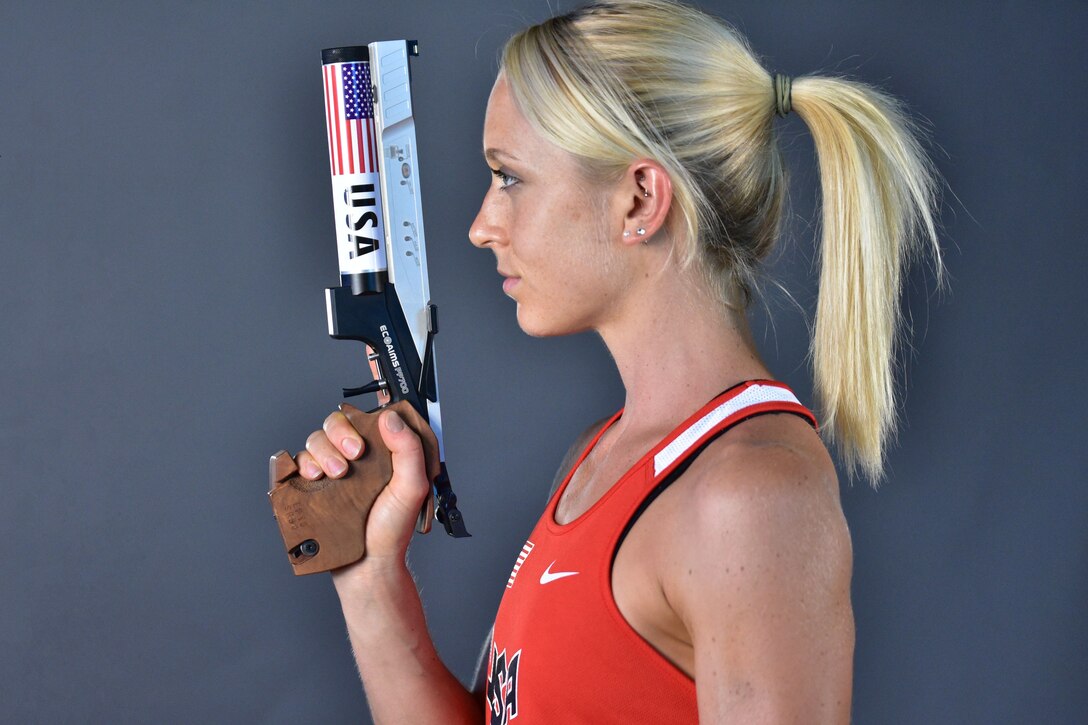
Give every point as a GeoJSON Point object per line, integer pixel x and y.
{"type": "Point", "coordinates": [620, 80]}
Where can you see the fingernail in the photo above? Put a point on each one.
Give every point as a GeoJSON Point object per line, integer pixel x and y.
{"type": "Point", "coordinates": [394, 422]}
{"type": "Point", "coordinates": [351, 446]}
{"type": "Point", "coordinates": [312, 470]}
{"type": "Point", "coordinates": [335, 466]}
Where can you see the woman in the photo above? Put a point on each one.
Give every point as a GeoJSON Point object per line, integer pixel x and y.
{"type": "Point", "coordinates": [694, 563]}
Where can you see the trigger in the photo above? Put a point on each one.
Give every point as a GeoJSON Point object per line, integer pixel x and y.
{"type": "Point", "coordinates": [373, 386]}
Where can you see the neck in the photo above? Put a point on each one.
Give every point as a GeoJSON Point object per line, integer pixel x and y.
{"type": "Point", "coordinates": [676, 348]}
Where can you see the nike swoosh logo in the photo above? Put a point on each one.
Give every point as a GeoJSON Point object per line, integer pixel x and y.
{"type": "Point", "coordinates": [550, 576]}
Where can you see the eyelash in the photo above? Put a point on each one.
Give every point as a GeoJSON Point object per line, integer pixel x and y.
{"type": "Point", "coordinates": [506, 180]}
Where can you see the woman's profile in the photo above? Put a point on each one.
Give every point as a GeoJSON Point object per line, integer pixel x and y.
{"type": "Point", "coordinates": [693, 562]}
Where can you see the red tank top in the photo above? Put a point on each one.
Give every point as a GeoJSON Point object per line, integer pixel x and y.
{"type": "Point", "coordinates": [561, 650]}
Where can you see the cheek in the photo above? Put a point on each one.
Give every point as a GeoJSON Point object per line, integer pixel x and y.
{"type": "Point", "coordinates": [561, 243]}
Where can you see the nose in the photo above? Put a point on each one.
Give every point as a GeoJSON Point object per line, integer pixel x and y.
{"type": "Point", "coordinates": [486, 229]}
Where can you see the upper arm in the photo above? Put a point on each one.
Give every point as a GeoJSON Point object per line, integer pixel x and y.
{"type": "Point", "coordinates": [479, 680]}
{"type": "Point", "coordinates": [760, 576]}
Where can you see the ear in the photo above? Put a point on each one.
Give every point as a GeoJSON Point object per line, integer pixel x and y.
{"type": "Point", "coordinates": [643, 198]}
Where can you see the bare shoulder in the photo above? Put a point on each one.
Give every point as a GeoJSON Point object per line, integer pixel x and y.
{"type": "Point", "coordinates": [757, 566]}
{"type": "Point", "coordinates": [765, 498]}
{"type": "Point", "coordinates": [766, 487]}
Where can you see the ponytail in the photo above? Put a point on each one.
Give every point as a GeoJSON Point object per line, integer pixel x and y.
{"type": "Point", "coordinates": [878, 192]}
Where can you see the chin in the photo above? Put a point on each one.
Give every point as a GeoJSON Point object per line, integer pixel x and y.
{"type": "Point", "coordinates": [535, 325]}
{"type": "Point", "coordinates": [532, 325]}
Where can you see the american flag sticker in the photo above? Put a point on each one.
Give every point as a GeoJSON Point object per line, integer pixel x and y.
{"type": "Point", "coordinates": [353, 160]}
{"type": "Point", "coordinates": [349, 113]}
{"type": "Point", "coordinates": [521, 560]}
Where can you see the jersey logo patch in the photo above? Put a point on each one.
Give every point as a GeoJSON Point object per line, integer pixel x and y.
{"type": "Point", "coordinates": [502, 686]}
{"type": "Point", "coordinates": [550, 576]}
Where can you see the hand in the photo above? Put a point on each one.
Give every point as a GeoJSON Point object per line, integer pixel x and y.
{"type": "Point", "coordinates": [394, 513]}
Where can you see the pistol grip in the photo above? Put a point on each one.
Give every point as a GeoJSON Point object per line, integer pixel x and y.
{"type": "Point", "coordinates": [323, 522]}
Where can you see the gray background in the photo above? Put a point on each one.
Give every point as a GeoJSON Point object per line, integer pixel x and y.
{"type": "Point", "coordinates": [166, 231]}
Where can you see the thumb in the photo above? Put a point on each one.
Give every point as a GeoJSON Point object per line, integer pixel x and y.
{"type": "Point", "coordinates": [393, 517]}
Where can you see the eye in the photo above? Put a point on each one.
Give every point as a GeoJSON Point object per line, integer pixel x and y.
{"type": "Point", "coordinates": [505, 179]}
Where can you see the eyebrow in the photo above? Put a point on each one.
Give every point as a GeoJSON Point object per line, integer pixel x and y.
{"type": "Point", "coordinates": [493, 154]}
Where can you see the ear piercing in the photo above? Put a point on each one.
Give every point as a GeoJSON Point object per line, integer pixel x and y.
{"type": "Point", "coordinates": [626, 233]}
{"type": "Point", "coordinates": [640, 231]}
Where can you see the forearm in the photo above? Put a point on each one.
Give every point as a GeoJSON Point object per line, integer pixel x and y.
{"type": "Point", "coordinates": [404, 679]}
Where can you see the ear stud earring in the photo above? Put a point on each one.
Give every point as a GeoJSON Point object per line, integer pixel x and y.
{"type": "Point", "coordinates": [626, 233]}
{"type": "Point", "coordinates": [640, 231]}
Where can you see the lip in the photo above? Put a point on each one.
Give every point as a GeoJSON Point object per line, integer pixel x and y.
{"type": "Point", "coordinates": [509, 283]}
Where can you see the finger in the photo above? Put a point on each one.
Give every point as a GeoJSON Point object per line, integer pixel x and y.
{"type": "Point", "coordinates": [308, 467]}
{"type": "Point", "coordinates": [397, 508]}
{"type": "Point", "coordinates": [342, 434]}
{"type": "Point", "coordinates": [409, 469]}
{"type": "Point", "coordinates": [326, 455]}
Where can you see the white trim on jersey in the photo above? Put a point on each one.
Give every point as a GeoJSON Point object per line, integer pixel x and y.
{"type": "Point", "coordinates": [752, 395]}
